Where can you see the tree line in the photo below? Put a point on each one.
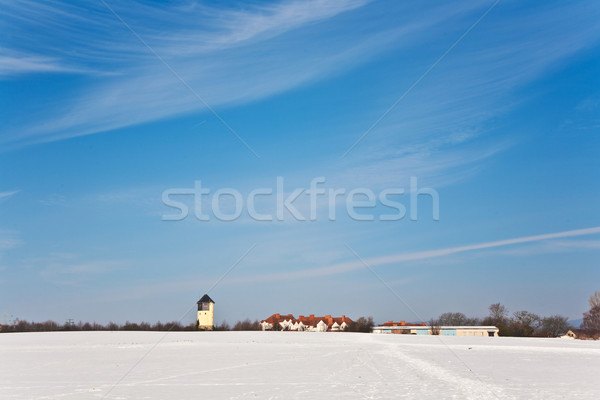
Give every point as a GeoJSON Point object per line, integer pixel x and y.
{"type": "Point", "coordinates": [51, 326]}
{"type": "Point", "coordinates": [362, 324]}
{"type": "Point", "coordinates": [519, 323]}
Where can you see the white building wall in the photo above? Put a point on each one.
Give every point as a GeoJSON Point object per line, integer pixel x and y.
{"type": "Point", "coordinates": [321, 327]}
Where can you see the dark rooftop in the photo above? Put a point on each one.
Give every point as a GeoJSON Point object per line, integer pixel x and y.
{"type": "Point", "coordinates": [205, 299]}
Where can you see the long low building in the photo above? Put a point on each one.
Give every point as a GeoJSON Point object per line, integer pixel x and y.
{"type": "Point", "coordinates": [490, 331]}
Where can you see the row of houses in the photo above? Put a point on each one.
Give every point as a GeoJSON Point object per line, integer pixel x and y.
{"type": "Point", "coordinates": [305, 323]}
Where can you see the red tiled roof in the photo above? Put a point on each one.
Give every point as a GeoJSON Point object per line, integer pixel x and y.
{"type": "Point", "coordinates": [311, 320]}
{"type": "Point", "coordinates": [402, 323]}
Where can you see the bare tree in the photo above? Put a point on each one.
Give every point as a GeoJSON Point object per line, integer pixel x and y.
{"type": "Point", "coordinates": [451, 318]}
{"type": "Point", "coordinates": [434, 326]}
{"type": "Point", "coordinates": [594, 300]}
{"type": "Point", "coordinates": [554, 325]}
{"type": "Point", "coordinates": [457, 319]}
{"type": "Point", "coordinates": [524, 323]}
{"type": "Point", "coordinates": [499, 317]}
{"type": "Point", "coordinates": [591, 319]}
{"type": "Point", "coordinates": [112, 326]}
{"type": "Point", "coordinates": [247, 325]}
{"type": "Point", "coordinates": [498, 313]}
{"type": "Point", "coordinates": [362, 324]}
{"type": "Point", "coordinates": [223, 327]}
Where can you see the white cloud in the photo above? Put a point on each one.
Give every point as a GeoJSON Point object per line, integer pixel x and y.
{"type": "Point", "coordinates": [236, 56]}
{"type": "Point", "coordinates": [7, 195]}
{"type": "Point", "coordinates": [17, 64]}
{"type": "Point", "coordinates": [421, 255]}
{"type": "Point", "coordinates": [232, 57]}
{"type": "Point", "coordinates": [7, 243]}
{"type": "Point", "coordinates": [230, 28]}
{"type": "Point", "coordinates": [441, 131]}
{"type": "Point", "coordinates": [55, 200]}
{"type": "Point", "coordinates": [551, 247]}
{"type": "Point", "coordinates": [344, 267]}
{"type": "Point", "coordinates": [71, 269]}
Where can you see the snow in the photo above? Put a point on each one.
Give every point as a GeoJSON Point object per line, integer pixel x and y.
{"type": "Point", "coordinates": [273, 365]}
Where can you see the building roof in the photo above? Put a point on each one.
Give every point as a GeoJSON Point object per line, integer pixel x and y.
{"type": "Point", "coordinates": [310, 320]}
{"type": "Point", "coordinates": [205, 299]}
{"type": "Point", "coordinates": [402, 323]}
{"type": "Point", "coordinates": [577, 332]}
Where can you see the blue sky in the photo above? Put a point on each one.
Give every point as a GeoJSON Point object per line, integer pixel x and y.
{"type": "Point", "coordinates": [103, 112]}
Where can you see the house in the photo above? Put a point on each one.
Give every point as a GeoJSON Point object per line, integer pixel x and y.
{"type": "Point", "coordinates": [571, 334]}
{"type": "Point", "coordinates": [424, 329]}
{"type": "Point", "coordinates": [206, 309]}
{"type": "Point", "coordinates": [306, 323]}
{"type": "Point", "coordinates": [580, 334]}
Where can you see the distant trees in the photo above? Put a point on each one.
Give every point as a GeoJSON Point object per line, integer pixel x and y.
{"type": "Point", "coordinates": [26, 326]}
{"type": "Point", "coordinates": [450, 318]}
{"type": "Point", "coordinates": [131, 326]}
{"type": "Point", "coordinates": [554, 325]}
{"type": "Point", "coordinates": [247, 325]}
{"type": "Point", "coordinates": [594, 300]}
{"type": "Point", "coordinates": [498, 313]}
{"type": "Point", "coordinates": [591, 319]}
{"type": "Point", "coordinates": [435, 324]}
{"type": "Point", "coordinates": [524, 323]}
{"type": "Point", "coordinates": [456, 319]}
{"type": "Point", "coordinates": [224, 326]}
{"type": "Point", "coordinates": [498, 317]}
{"type": "Point", "coordinates": [49, 326]}
{"type": "Point", "coordinates": [362, 324]}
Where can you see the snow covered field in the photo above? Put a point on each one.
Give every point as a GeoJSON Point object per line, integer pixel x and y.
{"type": "Point", "coordinates": [242, 365]}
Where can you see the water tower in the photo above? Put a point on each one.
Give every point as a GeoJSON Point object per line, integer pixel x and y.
{"type": "Point", "coordinates": [206, 308]}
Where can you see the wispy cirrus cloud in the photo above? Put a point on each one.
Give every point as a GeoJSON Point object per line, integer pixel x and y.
{"type": "Point", "coordinates": [229, 56]}
{"type": "Point", "coordinates": [550, 247]}
{"type": "Point", "coordinates": [239, 55]}
{"type": "Point", "coordinates": [420, 255]}
{"type": "Point", "coordinates": [8, 240]}
{"type": "Point", "coordinates": [232, 27]}
{"type": "Point", "coordinates": [213, 49]}
{"type": "Point", "coordinates": [7, 243]}
{"type": "Point", "coordinates": [444, 130]}
{"type": "Point", "coordinates": [71, 268]}
{"type": "Point", "coordinates": [349, 266]}
{"type": "Point", "coordinates": [12, 63]}
{"type": "Point", "coordinates": [8, 194]}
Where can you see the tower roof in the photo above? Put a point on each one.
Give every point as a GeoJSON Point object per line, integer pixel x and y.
{"type": "Point", "coordinates": [205, 299]}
